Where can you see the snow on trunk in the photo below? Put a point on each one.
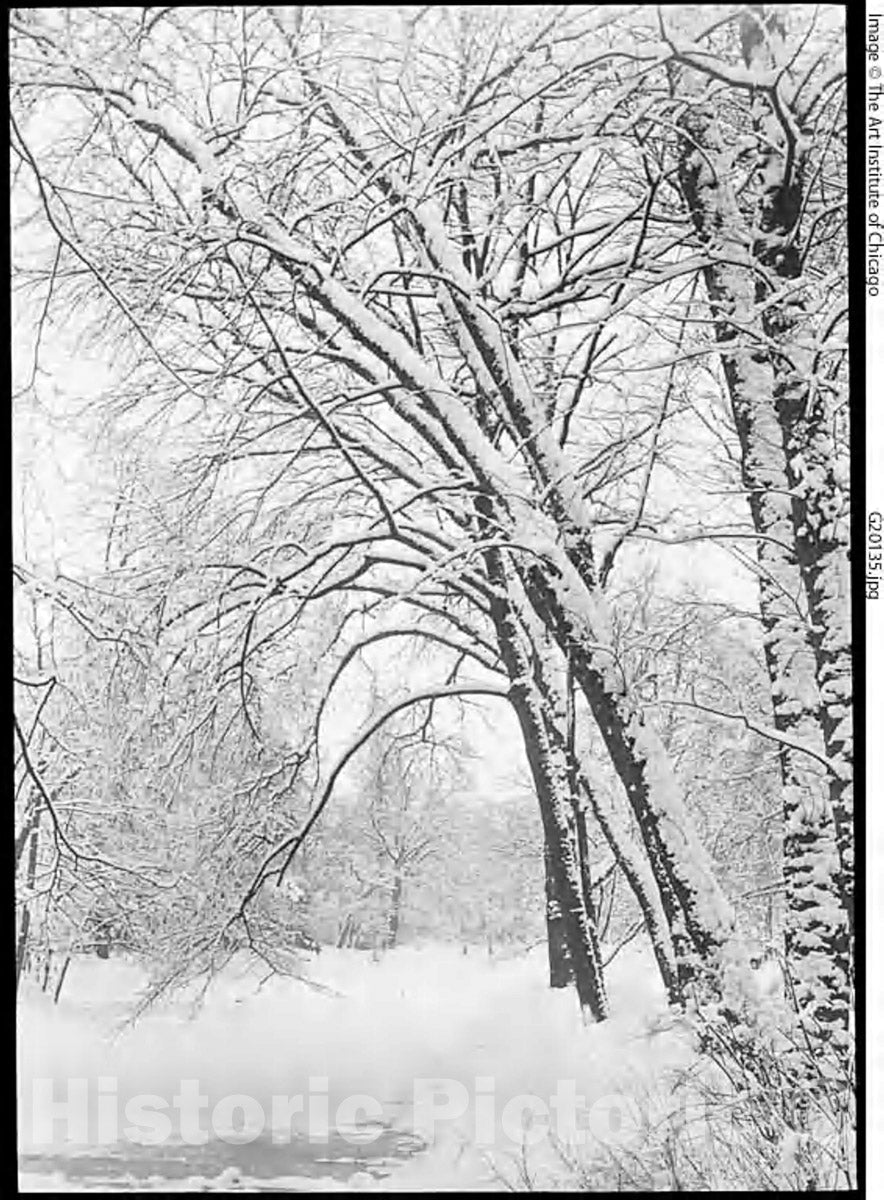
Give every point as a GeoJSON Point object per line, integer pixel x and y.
{"type": "Point", "coordinates": [816, 900]}
{"type": "Point", "coordinates": [822, 546]}
{"type": "Point", "coordinates": [699, 916]}
{"type": "Point", "coordinates": [802, 396]}
{"type": "Point", "coordinates": [587, 799]}
{"type": "Point", "coordinates": [549, 772]}
{"type": "Point", "coordinates": [697, 909]}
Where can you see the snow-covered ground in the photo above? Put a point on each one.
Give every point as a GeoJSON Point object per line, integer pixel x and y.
{"type": "Point", "coordinates": [419, 1071]}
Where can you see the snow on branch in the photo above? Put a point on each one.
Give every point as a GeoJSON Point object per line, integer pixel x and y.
{"type": "Point", "coordinates": [381, 635]}
{"type": "Point", "coordinates": [173, 131]}
{"type": "Point", "coordinates": [766, 731]}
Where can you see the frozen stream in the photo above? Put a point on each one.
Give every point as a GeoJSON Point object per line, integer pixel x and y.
{"type": "Point", "coordinates": [406, 1037]}
{"type": "Point", "coordinates": [259, 1165]}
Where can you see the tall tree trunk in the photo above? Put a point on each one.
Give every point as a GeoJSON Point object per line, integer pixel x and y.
{"type": "Point", "coordinates": [639, 877]}
{"type": "Point", "coordinates": [21, 949]}
{"type": "Point", "coordinates": [561, 972]}
{"type": "Point", "coordinates": [549, 773]}
{"type": "Point", "coordinates": [817, 884]}
{"type": "Point", "coordinates": [24, 929]}
{"type": "Point", "coordinates": [567, 599]}
{"type": "Point", "coordinates": [584, 799]}
{"type": "Point", "coordinates": [699, 915]}
{"type": "Point", "coordinates": [819, 503]}
{"type": "Point", "coordinates": [821, 547]}
{"type": "Point", "coordinates": [700, 918]}
{"type": "Point", "coordinates": [559, 706]}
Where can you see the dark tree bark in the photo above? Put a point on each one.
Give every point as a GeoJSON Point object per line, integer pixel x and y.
{"type": "Point", "coordinates": [699, 918]}
{"type": "Point", "coordinates": [561, 972]}
{"type": "Point", "coordinates": [32, 838]}
{"type": "Point", "coordinates": [549, 773]}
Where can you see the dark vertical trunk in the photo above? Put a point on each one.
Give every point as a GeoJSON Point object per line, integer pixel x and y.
{"type": "Point", "coordinates": [627, 856]}
{"type": "Point", "coordinates": [550, 777]}
{"type": "Point", "coordinates": [561, 973]}
{"type": "Point", "coordinates": [21, 950]}
{"type": "Point", "coordinates": [699, 916]}
{"type": "Point", "coordinates": [578, 806]}
{"type": "Point", "coordinates": [645, 889]}
{"type": "Point", "coordinates": [61, 978]}
{"type": "Point", "coordinates": [24, 928]}
{"type": "Point", "coordinates": [579, 933]}
{"type": "Point", "coordinates": [583, 852]}
{"type": "Point", "coordinates": [687, 890]}
{"type": "Point", "coordinates": [694, 907]}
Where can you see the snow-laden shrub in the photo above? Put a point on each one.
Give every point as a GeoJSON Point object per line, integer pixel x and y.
{"type": "Point", "coordinates": [762, 1106]}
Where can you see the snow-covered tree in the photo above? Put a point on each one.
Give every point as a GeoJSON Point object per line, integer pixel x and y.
{"type": "Point", "coordinates": [430, 284]}
{"type": "Point", "coordinates": [759, 100]}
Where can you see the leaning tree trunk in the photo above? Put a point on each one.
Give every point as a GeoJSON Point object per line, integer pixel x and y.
{"type": "Point", "coordinates": [627, 854]}
{"type": "Point", "coordinates": [549, 773]}
{"type": "Point", "coordinates": [574, 610]}
{"type": "Point", "coordinates": [637, 873]}
{"type": "Point", "coordinates": [630, 859]}
{"type": "Point", "coordinates": [700, 918]}
{"type": "Point", "coordinates": [561, 971]}
{"type": "Point", "coordinates": [32, 839]}
{"type": "Point", "coordinates": [566, 597]}
{"type": "Point", "coordinates": [559, 708]}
